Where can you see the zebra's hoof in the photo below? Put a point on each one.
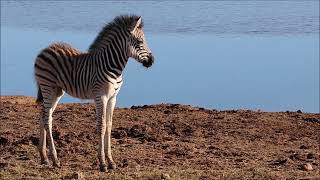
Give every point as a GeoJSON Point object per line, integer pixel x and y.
{"type": "Point", "coordinates": [45, 162]}
{"type": "Point", "coordinates": [112, 166]}
{"type": "Point", "coordinates": [103, 168]}
{"type": "Point", "coordinates": [56, 164]}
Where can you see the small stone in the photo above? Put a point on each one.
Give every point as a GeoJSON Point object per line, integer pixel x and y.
{"type": "Point", "coordinates": [165, 176]}
{"type": "Point", "coordinates": [77, 175]}
{"type": "Point", "coordinates": [307, 167]}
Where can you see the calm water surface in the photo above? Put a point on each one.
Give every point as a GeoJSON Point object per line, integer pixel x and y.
{"type": "Point", "coordinates": [223, 55]}
{"type": "Point", "coordinates": [218, 17]}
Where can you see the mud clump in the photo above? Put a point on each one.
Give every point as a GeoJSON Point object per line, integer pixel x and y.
{"type": "Point", "coordinates": [188, 131]}
{"type": "Point", "coordinates": [57, 134]}
{"type": "Point", "coordinates": [3, 165]}
{"type": "Point", "coordinates": [140, 132]}
{"type": "Point", "coordinates": [4, 141]}
{"type": "Point", "coordinates": [179, 151]}
{"type": "Point", "coordinates": [119, 133]}
{"type": "Point", "coordinates": [34, 140]}
{"type": "Point", "coordinates": [170, 128]}
{"type": "Point", "coordinates": [312, 120]}
{"type": "Point", "coordinates": [280, 162]}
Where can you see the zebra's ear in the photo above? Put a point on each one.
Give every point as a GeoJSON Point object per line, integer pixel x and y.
{"type": "Point", "coordinates": [136, 24]}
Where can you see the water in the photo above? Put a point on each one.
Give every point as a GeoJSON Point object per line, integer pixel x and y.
{"type": "Point", "coordinates": [221, 54]}
{"type": "Point", "coordinates": [218, 17]}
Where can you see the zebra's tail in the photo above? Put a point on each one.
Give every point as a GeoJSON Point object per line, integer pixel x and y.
{"type": "Point", "coordinates": [39, 96]}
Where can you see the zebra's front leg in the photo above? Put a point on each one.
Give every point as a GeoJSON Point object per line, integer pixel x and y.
{"type": "Point", "coordinates": [110, 108]}
{"type": "Point", "coordinates": [101, 104]}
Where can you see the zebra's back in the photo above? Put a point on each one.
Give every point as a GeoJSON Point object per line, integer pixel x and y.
{"type": "Point", "coordinates": [55, 66]}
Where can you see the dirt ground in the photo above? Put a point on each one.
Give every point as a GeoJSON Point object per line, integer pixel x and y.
{"type": "Point", "coordinates": [165, 141]}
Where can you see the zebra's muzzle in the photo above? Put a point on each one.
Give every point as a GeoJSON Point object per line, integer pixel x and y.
{"type": "Point", "coordinates": [148, 63]}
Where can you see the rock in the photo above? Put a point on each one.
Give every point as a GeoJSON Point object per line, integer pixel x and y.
{"type": "Point", "coordinates": [77, 175]}
{"type": "Point", "coordinates": [165, 176]}
{"type": "Point", "coordinates": [307, 167]}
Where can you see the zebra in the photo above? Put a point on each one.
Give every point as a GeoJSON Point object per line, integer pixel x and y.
{"type": "Point", "coordinates": [95, 74]}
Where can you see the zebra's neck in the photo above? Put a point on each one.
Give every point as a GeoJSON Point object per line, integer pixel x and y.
{"type": "Point", "coordinates": [112, 59]}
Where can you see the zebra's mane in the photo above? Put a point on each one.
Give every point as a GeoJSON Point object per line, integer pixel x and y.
{"type": "Point", "coordinates": [124, 22]}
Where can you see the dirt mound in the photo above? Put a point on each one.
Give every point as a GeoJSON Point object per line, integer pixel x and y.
{"type": "Point", "coordinates": [165, 140]}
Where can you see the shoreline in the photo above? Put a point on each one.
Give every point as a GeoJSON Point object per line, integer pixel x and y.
{"type": "Point", "coordinates": [23, 98]}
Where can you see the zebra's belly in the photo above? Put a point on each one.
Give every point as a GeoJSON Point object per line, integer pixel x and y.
{"type": "Point", "coordinates": [82, 96]}
{"type": "Point", "coordinates": [90, 93]}
{"type": "Point", "coordinates": [108, 89]}
{"type": "Point", "coordinates": [78, 92]}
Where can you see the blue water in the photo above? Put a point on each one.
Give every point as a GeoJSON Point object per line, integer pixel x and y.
{"type": "Point", "coordinates": [218, 17]}
{"type": "Point", "coordinates": [223, 55]}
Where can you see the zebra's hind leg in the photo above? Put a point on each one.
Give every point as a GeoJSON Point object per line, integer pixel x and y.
{"type": "Point", "coordinates": [51, 97]}
{"type": "Point", "coordinates": [42, 140]}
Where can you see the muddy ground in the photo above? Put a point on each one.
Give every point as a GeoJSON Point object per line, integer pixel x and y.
{"type": "Point", "coordinates": [165, 141]}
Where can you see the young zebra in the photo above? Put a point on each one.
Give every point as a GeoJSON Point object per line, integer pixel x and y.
{"type": "Point", "coordinates": [96, 74]}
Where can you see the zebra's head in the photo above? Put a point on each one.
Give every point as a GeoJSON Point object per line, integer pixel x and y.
{"type": "Point", "coordinates": [138, 48]}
